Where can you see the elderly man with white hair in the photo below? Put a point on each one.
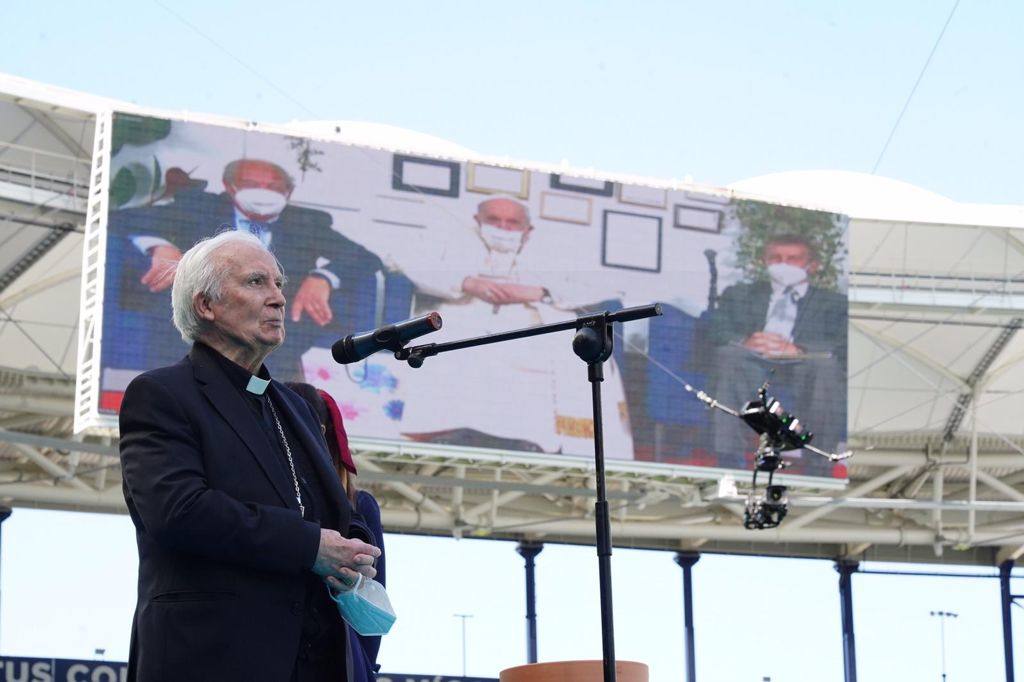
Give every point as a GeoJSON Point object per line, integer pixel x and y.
{"type": "Point", "coordinates": [239, 516]}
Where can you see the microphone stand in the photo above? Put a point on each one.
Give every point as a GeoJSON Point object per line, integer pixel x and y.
{"type": "Point", "coordinates": [593, 344]}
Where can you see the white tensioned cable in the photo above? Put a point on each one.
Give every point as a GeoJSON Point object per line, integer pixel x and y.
{"type": "Point", "coordinates": [906, 105]}
{"type": "Point", "coordinates": [913, 89]}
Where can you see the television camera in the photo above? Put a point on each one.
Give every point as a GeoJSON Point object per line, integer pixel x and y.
{"type": "Point", "coordinates": [779, 431]}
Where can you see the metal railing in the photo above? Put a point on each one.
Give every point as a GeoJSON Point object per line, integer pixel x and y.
{"type": "Point", "coordinates": [44, 173]}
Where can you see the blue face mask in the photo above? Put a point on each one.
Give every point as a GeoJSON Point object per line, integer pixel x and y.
{"type": "Point", "coordinates": [366, 607]}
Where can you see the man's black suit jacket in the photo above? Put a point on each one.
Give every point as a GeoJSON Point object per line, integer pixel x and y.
{"type": "Point", "coordinates": [300, 237]}
{"type": "Point", "coordinates": [223, 551]}
{"type": "Point", "coordinates": [820, 325]}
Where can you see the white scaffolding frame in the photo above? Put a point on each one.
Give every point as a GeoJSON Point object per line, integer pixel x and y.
{"type": "Point", "coordinates": [94, 249]}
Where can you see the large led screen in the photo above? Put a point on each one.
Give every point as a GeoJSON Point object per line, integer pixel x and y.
{"type": "Point", "coordinates": [750, 291]}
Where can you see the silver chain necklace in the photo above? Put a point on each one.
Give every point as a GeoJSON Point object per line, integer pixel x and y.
{"type": "Point", "coordinates": [288, 452]}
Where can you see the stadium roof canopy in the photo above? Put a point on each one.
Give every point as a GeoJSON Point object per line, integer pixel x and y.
{"type": "Point", "coordinates": [936, 371]}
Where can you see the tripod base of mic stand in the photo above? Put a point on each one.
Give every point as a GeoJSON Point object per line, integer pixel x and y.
{"type": "Point", "coordinates": [575, 671]}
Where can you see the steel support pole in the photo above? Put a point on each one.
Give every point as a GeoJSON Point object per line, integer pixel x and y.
{"type": "Point", "coordinates": [529, 552]}
{"type": "Point", "coordinates": [846, 570]}
{"type": "Point", "coordinates": [1006, 600]}
{"type": "Point", "coordinates": [5, 513]}
{"type": "Point", "coordinates": [686, 560]}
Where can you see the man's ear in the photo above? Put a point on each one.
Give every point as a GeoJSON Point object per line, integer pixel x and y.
{"type": "Point", "coordinates": [813, 267]}
{"type": "Point", "coordinates": [203, 305]}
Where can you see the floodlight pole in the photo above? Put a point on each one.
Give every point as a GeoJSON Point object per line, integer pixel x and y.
{"type": "Point", "coordinates": [463, 616]}
{"type": "Point", "coordinates": [846, 569]}
{"type": "Point", "coordinates": [942, 616]}
{"type": "Point", "coordinates": [593, 343]}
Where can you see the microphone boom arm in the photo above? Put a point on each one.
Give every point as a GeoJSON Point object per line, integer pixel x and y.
{"type": "Point", "coordinates": [415, 355]}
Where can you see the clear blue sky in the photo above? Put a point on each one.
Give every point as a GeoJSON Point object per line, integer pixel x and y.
{"type": "Point", "coordinates": [720, 91]}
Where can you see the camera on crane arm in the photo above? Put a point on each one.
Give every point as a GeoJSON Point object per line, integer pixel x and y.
{"type": "Point", "coordinates": [779, 431]}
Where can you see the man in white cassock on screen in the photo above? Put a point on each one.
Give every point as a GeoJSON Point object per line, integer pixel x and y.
{"type": "Point", "coordinates": [529, 394]}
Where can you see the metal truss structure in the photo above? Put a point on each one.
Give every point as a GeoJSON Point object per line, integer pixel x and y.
{"type": "Point", "coordinates": [936, 375]}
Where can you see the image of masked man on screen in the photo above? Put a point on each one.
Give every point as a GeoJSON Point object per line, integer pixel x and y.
{"type": "Point", "coordinates": [327, 273]}
{"type": "Point", "coordinates": [790, 332]}
{"type": "Point", "coordinates": [523, 395]}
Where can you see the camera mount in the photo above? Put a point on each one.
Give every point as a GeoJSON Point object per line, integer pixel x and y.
{"type": "Point", "coordinates": [779, 431]}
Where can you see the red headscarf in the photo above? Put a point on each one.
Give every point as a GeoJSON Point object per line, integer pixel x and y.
{"type": "Point", "coordinates": [339, 431]}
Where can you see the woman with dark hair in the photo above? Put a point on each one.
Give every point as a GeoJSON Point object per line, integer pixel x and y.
{"type": "Point", "coordinates": [363, 649]}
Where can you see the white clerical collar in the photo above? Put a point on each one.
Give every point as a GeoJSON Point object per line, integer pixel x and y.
{"type": "Point", "coordinates": [257, 386]}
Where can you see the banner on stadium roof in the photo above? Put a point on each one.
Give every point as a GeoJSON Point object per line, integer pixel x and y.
{"type": "Point", "coordinates": [750, 290]}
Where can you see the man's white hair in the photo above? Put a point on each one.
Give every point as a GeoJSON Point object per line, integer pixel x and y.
{"type": "Point", "coordinates": [199, 272]}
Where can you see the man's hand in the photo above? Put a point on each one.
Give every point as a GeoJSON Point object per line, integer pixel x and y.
{"type": "Point", "coordinates": [770, 344]}
{"type": "Point", "coordinates": [163, 263]}
{"type": "Point", "coordinates": [522, 293]}
{"type": "Point", "coordinates": [342, 557]}
{"type": "Point", "coordinates": [339, 586]}
{"type": "Point", "coordinates": [484, 289]}
{"type": "Point", "coordinates": [501, 293]}
{"type": "Point", "coordinates": [312, 298]}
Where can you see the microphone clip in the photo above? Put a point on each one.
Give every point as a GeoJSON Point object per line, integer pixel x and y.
{"type": "Point", "coordinates": [593, 342]}
{"type": "Point", "coordinates": [415, 356]}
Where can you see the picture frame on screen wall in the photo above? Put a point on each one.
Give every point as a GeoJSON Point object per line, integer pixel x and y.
{"type": "Point", "coordinates": [638, 195]}
{"type": "Point", "coordinates": [497, 180]}
{"type": "Point", "coordinates": [631, 241]}
{"type": "Point", "coordinates": [571, 183]}
{"type": "Point", "coordinates": [697, 219]}
{"type": "Point", "coordinates": [425, 176]}
{"type": "Point", "coordinates": [566, 208]}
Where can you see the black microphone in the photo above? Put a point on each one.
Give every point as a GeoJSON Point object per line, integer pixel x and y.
{"type": "Point", "coordinates": [393, 337]}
